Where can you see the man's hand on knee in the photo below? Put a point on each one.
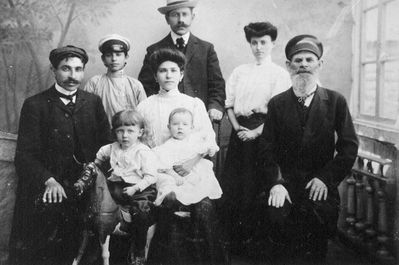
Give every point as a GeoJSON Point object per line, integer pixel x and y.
{"type": "Point", "coordinates": [54, 192]}
{"type": "Point", "coordinates": [318, 190]}
{"type": "Point", "coordinates": [278, 195]}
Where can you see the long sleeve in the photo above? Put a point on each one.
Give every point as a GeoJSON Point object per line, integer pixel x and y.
{"type": "Point", "coordinates": [202, 123]}
{"type": "Point", "coordinates": [230, 90]}
{"type": "Point", "coordinates": [148, 169]}
{"type": "Point", "coordinates": [103, 130]}
{"type": "Point", "coordinates": [141, 94]}
{"type": "Point", "coordinates": [91, 84]}
{"type": "Point", "coordinates": [267, 148]}
{"type": "Point", "coordinates": [216, 84]}
{"type": "Point", "coordinates": [29, 158]}
{"type": "Point", "coordinates": [346, 147]}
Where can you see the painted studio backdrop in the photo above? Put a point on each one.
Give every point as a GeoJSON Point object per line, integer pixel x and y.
{"type": "Point", "coordinates": [29, 29]}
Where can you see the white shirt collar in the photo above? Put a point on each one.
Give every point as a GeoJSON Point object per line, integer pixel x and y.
{"type": "Point", "coordinates": [175, 36]}
{"type": "Point", "coordinates": [309, 99]}
{"type": "Point", "coordinates": [63, 90]}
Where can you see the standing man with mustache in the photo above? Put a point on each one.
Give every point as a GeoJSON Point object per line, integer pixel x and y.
{"type": "Point", "coordinates": [60, 129]}
{"type": "Point", "coordinates": [202, 76]}
{"type": "Point", "coordinates": [301, 158]}
{"type": "Point", "coordinates": [117, 90]}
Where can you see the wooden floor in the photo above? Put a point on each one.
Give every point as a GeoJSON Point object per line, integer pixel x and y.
{"type": "Point", "coordinates": [338, 254]}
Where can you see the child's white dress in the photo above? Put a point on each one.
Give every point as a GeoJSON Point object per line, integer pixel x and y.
{"type": "Point", "coordinates": [199, 183]}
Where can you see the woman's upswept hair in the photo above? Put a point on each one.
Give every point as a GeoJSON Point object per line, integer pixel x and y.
{"type": "Point", "coordinates": [260, 29]}
{"type": "Point", "coordinates": [166, 54]}
{"type": "Point", "coordinates": [131, 117]}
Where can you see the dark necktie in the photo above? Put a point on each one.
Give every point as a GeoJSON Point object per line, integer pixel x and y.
{"type": "Point", "coordinates": [301, 100]}
{"type": "Point", "coordinates": [70, 104]}
{"type": "Point", "coordinates": [68, 97]}
{"type": "Point", "coordinates": [180, 43]}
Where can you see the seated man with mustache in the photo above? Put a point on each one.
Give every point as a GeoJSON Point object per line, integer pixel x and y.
{"type": "Point", "coordinates": [302, 161]}
{"type": "Point", "coordinates": [60, 129]}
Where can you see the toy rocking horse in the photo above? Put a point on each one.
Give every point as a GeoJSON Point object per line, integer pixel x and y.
{"type": "Point", "coordinates": [103, 213]}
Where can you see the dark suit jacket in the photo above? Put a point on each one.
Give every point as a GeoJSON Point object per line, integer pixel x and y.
{"type": "Point", "coordinates": [326, 147]}
{"type": "Point", "coordinates": [202, 75]}
{"type": "Point", "coordinates": [45, 149]}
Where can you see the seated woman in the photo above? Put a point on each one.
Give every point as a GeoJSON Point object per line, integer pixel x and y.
{"type": "Point", "coordinates": [167, 65]}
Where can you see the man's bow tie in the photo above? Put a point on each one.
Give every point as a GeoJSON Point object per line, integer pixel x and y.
{"type": "Point", "coordinates": [69, 97]}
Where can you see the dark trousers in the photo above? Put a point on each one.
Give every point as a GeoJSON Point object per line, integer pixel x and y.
{"type": "Point", "coordinates": [191, 240]}
{"type": "Point", "coordinates": [140, 207]}
{"type": "Point", "coordinates": [300, 231]}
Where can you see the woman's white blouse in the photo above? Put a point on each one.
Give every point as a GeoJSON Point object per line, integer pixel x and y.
{"type": "Point", "coordinates": [156, 110]}
{"type": "Point", "coordinates": [251, 86]}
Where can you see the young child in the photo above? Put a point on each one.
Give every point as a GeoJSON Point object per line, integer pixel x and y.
{"type": "Point", "coordinates": [184, 145]}
{"type": "Point", "coordinates": [133, 176]}
{"type": "Point", "coordinates": [117, 90]}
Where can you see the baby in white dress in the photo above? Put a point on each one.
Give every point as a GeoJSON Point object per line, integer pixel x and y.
{"type": "Point", "coordinates": [186, 146]}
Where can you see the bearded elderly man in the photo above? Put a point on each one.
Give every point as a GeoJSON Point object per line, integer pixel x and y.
{"type": "Point", "coordinates": [60, 129]}
{"type": "Point", "coordinates": [303, 160]}
{"type": "Point", "coordinates": [202, 76]}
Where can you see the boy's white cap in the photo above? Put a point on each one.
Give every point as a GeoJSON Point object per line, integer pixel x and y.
{"type": "Point", "coordinates": [114, 43]}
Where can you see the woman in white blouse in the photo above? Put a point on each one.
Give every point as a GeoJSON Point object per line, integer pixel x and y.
{"type": "Point", "coordinates": [248, 92]}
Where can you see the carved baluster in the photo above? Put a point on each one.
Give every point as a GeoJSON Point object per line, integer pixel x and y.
{"type": "Point", "coordinates": [382, 237]}
{"type": "Point", "coordinates": [350, 219]}
{"type": "Point", "coordinates": [370, 231]}
{"type": "Point", "coordinates": [360, 223]}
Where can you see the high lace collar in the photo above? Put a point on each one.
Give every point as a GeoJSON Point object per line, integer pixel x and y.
{"type": "Point", "coordinates": [267, 60]}
{"type": "Point", "coordinates": [170, 93]}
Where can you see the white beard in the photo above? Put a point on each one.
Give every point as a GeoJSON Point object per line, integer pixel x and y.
{"type": "Point", "coordinates": [303, 83]}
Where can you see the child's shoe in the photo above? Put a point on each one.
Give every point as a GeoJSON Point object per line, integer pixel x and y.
{"type": "Point", "coordinates": [86, 180]}
{"type": "Point", "coordinates": [121, 229]}
{"type": "Point", "coordinates": [139, 261]}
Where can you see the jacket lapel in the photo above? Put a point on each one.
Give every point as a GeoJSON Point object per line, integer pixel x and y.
{"type": "Point", "coordinates": [316, 115]}
{"type": "Point", "coordinates": [53, 97]}
{"type": "Point", "coordinates": [80, 100]}
{"type": "Point", "coordinates": [291, 112]}
{"type": "Point", "coordinates": [168, 42]}
{"type": "Point", "coordinates": [191, 48]}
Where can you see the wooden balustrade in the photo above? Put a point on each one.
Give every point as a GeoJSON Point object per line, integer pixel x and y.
{"type": "Point", "coordinates": [366, 224]}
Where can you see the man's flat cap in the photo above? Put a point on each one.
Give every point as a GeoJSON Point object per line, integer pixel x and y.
{"type": "Point", "coordinates": [58, 54]}
{"type": "Point", "coordinates": [302, 43]}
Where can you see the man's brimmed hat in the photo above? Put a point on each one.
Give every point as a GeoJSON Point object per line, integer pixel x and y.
{"type": "Point", "coordinates": [301, 43]}
{"type": "Point", "coordinates": [114, 43]}
{"type": "Point", "coordinates": [173, 4]}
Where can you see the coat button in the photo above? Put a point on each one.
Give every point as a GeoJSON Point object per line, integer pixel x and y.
{"type": "Point", "coordinates": [66, 115]}
{"type": "Point", "coordinates": [195, 90]}
{"type": "Point", "coordinates": [68, 136]}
